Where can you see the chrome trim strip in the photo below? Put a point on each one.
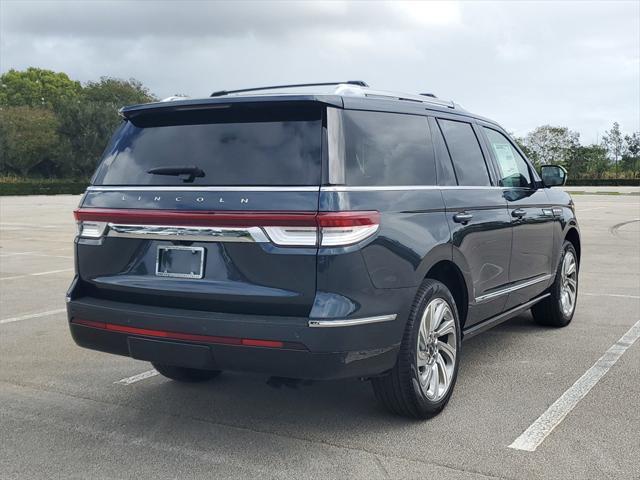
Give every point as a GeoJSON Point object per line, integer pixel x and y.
{"type": "Point", "coordinates": [336, 188]}
{"type": "Point", "coordinates": [513, 288]}
{"type": "Point", "coordinates": [342, 188]}
{"type": "Point", "coordinates": [351, 322]}
{"type": "Point", "coordinates": [197, 188]}
{"type": "Point", "coordinates": [201, 234]}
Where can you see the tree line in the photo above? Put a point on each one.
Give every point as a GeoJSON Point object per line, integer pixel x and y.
{"type": "Point", "coordinates": [54, 127]}
{"type": "Point", "coordinates": [616, 156]}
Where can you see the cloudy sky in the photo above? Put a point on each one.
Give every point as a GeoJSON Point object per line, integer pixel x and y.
{"type": "Point", "coordinates": [521, 63]}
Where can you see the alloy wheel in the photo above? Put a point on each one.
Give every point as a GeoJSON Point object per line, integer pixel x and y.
{"type": "Point", "coordinates": [569, 283]}
{"type": "Point", "coordinates": [436, 350]}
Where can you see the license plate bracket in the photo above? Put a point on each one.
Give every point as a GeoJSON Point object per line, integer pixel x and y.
{"type": "Point", "coordinates": [180, 262]}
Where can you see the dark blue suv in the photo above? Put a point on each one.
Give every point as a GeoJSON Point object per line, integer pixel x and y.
{"type": "Point", "coordinates": [315, 232]}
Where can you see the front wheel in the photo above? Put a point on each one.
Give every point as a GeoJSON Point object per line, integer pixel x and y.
{"type": "Point", "coordinates": [422, 380]}
{"type": "Point", "coordinates": [558, 308]}
{"type": "Point", "coordinates": [184, 374]}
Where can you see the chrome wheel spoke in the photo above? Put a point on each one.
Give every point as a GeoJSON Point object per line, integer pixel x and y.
{"type": "Point", "coordinates": [438, 314]}
{"type": "Point", "coordinates": [425, 377]}
{"type": "Point", "coordinates": [443, 371]}
{"type": "Point", "coordinates": [422, 360]}
{"type": "Point", "coordinates": [571, 267]}
{"type": "Point", "coordinates": [446, 327]}
{"type": "Point", "coordinates": [434, 382]}
{"type": "Point", "coordinates": [447, 350]}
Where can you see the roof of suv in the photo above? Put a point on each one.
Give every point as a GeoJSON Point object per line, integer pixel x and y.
{"type": "Point", "coordinates": [337, 94]}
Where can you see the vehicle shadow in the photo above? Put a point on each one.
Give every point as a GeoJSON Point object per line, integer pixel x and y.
{"type": "Point", "coordinates": [323, 408]}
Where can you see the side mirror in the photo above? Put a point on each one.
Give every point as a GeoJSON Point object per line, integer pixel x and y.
{"type": "Point", "coordinates": [553, 175]}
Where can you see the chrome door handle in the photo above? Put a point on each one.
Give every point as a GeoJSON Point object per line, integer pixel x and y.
{"type": "Point", "coordinates": [462, 217]}
{"type": "Point", "coordinates": [519, 213]}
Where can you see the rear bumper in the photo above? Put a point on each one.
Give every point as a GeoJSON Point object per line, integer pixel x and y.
{"type": "Point", "coordinates": [215, 340]}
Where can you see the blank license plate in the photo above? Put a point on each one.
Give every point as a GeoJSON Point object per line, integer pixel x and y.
{"type": "Point", "coordinates": [182, 262]}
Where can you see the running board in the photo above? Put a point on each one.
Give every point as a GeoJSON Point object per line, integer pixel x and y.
{"type": "Point", "coordinates": [498, 319]}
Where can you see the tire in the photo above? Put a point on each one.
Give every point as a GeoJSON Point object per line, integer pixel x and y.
{"type": "Point", "coordinates": [413, 387]}
{"type": "Point", "coordinates": [184, 374]}
{"type": "Point", "coordinates": [557, 310]}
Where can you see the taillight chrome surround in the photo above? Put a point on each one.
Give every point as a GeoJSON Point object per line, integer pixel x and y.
{"type": "Point", "coordinates": [289, 229]}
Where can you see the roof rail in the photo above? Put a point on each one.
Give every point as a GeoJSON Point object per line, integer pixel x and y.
{"type": "Point", "coordinates": [221, 93]}
{"type": "Point", "coordinates": [421, 98]}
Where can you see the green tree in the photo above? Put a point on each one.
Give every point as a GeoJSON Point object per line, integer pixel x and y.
{"type": "Point", "coordinates": [593, 160]}
{"type": "Point", "coordinates": [29, 142]}
{"type": "Point", "coordinates": [551, 145]}
{"type": "Point", "coordinates": [36, 87]}
{"type": "Point", "coordinates": [117, 92]}
{"type": "Point", "coordinates": [613, 141]}
{"type": "Point", "coordinates": [89, 121]}
{"type": "Point", "coordinates": [630, 161]}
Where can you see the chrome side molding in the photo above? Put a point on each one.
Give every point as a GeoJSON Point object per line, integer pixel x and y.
{"type": "Point", "coordinates": [513, 288]}
{"type": "Point", "coordinates": [351, 322]}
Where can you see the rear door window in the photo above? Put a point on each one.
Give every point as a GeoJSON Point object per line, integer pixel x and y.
{"type": "Point", "coordinates": [242, 146]}
{"type": "Point", "coordinates": [387, 149]}
{"type": "Point", "coordinates": [514, 171]}
{"type": "Point", "coordinates": [464, 148]}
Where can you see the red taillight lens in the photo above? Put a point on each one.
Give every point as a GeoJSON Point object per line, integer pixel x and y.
{"type": "Point", "coordinates": [193, 218]}
{"type": "Point", "coordinates": [348, 219]}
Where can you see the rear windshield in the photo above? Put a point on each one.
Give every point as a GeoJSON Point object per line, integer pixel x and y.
{"type": "Point", "coordinates": [230, 146]}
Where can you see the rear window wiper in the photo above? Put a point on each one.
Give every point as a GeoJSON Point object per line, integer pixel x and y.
{"type": "Point", "coordinates": [187, 172]}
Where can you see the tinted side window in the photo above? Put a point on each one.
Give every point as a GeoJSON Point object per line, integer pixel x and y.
{"type": "Point", "coordinates": [466, 154]}
{"type": "Point", "coordinates": [387, 149]}
{"type": "Point", "coordinates": [514, 171]}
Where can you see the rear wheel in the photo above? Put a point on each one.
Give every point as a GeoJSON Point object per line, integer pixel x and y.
{"type": "Point", "coordinates": [422, 380]}
{"type": "Point", "coordinates": [557, 309]}
{"type": "Point", "coordinates": [184, 374]}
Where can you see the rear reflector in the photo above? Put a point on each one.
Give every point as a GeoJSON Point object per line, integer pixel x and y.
{"type": "Point", "coordinates": [308, 229]}
{"type": "Point", "coordinates": [190, 337]}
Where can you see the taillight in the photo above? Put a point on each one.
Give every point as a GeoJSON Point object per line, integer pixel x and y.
{"type": "Point", "coordinates": [300, 229]}
{"type": "Point", "coordinates": [332, 228]}
{"type": "Point", "coordinates": [346, 228]}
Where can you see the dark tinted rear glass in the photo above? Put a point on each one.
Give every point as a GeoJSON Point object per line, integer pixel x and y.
{"type": "Point", "coordinates": [387, 149]}
{"type": "Point", "coordinates": [468, 161]}
{"type": "Point", "coordinates": [232, 146]}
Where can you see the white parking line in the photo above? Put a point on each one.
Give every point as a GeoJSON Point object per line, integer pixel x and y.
{"type": "Point", "coordinates": [32, 315]}
{"type": "Point", "coordinates": [616, 295]}
{"type": "Point", "coordinates": [137, 378]}
{"type": "Point", "coordinates": [32, 254]}
{"type": "Point", "coordinates": [37, 274]}
{"type": "Point", "coordinates": [544, 425]}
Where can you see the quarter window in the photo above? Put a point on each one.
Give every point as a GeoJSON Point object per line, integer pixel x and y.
{"type": "Point", "coordinates": [468, 161]}
{"type": "Point", "coordinates": [386, 149]}
{"type": "Point", "coordinates": [514, 171]}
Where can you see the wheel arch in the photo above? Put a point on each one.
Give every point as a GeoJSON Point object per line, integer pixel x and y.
{"type": "Point", "coordinates": [447, 272]}
{"type": "Point", "coordinates": [572, 235]}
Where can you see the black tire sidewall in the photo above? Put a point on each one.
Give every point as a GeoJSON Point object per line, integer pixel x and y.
{"type": "Point", "coordinates": [557, 285]}
{"type": "Point", "coordinates": [431, 290]}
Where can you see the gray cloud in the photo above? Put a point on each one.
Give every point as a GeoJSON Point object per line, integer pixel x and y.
{"type": "Point", "coordinates": [521, 63]}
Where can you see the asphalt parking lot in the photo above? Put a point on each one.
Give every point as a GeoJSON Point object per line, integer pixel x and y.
{"type": "Point", "coordinates": [69, 412]}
